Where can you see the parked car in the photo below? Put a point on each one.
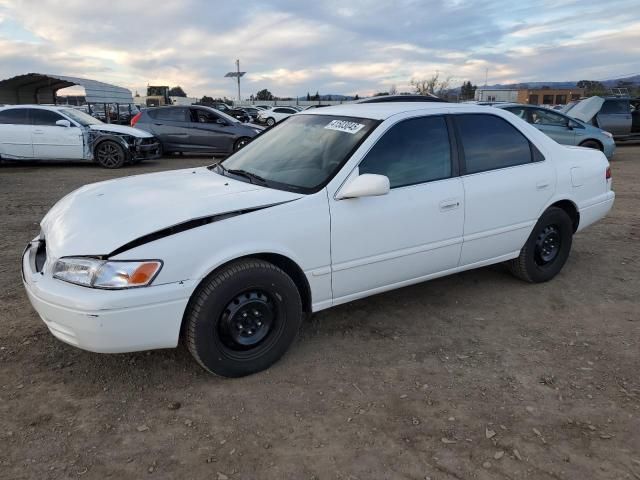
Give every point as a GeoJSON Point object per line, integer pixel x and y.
{"type": "Point", "coordinates": [310, 107]}
{"type": "Point", "coordinates": [562, 128]}
{"type": "Point", "coordinates": [195, 128]}
{"type": "Point", "coordinates": [275, 115]}
{"type": "Point", "coordinates": [252, 112]}
{"type": "Point", "coordinates": [618, 115]}
{"type": "Point", "coordinates": [333, 205]}
{"type": "Point", "coordinates": [401, 98]}
{"type": "Point", "coordinates": [236, 113]}
{"type": "Point", "coordinates": [30, 132]}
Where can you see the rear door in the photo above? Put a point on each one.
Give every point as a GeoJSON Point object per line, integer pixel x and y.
{"type": "Point", "coordinates": [15, 134]}
{"type": "Point", "coordinates": [506, 182]}
{"type": "Point", "coordinates": [615, 116]}
{"type": "Point", "coordinates": [51, 141]}
{"type": "Point", "coordinates": [554, 125]}
{"type": "Point", "coordinates": [172, 126]}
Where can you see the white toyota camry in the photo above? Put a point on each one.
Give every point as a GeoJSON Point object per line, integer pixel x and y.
{"type": "Point", "coordinates": [333, 205]}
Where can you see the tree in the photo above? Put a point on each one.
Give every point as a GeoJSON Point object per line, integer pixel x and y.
{"type": "Point", "coordinates": [432, 85]}
{"type": "Point", "coordinates": [316, 96]}
{"type": "Point", "coordinates": [467, 91]}
{"type": "Point", "coordinates": [177, 92]}
{"type": "Point", "coordinates": [264, 94]}
{"type": "Point", "coordinates": [206, 100]}
{"type": "Point", "coordinates": [357, 97]}
{"type": "Point", "coordinates": [308, 97]}
{"type": "Point", "coordinates": [393, 90]}
{"type": "Point", "coordinates": [592, 87]}
{"type": "Point", "coordinates": [380, 94]}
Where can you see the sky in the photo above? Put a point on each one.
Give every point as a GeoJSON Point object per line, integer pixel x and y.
{"type": "Point", "coordinates": [332, 46]}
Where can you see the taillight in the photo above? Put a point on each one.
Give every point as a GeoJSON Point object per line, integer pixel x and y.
{"type": "Point", "coordinates": [608, 173]}
{"type": "Point", "coordinates": [135, 119]}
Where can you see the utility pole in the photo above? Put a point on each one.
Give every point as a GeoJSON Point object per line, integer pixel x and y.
{"type": "Point", "coordinates": [237, 74]}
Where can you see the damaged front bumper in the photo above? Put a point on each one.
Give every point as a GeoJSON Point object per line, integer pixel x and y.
{"type": "Point", "coordinates": [145, 149]}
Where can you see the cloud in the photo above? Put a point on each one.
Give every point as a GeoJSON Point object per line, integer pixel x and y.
{"type": "Point", "coordinates": [293, 47]}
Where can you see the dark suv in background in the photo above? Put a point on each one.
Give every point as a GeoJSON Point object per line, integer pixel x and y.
{"type": "Point", "coordinates": [195, 129]}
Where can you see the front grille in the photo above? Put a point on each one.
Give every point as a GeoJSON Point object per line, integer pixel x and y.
{"type": "Point", "coordinates": [41, 256]}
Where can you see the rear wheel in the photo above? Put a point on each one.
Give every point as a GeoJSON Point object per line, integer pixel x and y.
{"type": "Point", "coordinates": [547, 248]}
{"type": "Point", "coordinates": [271, 121]}
{"type": "Point", "coordinates": [243, 318]}
{"type": "Point", "coordinates": [110, 154]}
{"type": "Point", "coordinates": [591, 144]}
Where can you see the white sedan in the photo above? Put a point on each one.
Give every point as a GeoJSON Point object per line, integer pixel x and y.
{"type": "Point", "coordinates": [275, 115]}
{"type": "Point", "coordinates": [333, 205]}
{"type": "Point", "coordinates": [29, 132]}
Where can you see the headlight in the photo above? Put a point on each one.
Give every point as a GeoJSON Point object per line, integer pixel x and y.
{"type": "Point", "coordinates": [95, 273]}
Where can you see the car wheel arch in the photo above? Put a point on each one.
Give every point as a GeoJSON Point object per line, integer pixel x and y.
{"type": "Point", "coordinates": [285, 263]}
{"type": "Point", "coordinates": [587, 140]}
{"type": "Point", "coordinates": [114, 138]}
{"type": "Point", "coordinates": [570, 209]}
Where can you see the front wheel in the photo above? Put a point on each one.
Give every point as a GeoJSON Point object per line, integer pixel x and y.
{"type": "Point", "coordinates": [241, 142]}
{"type": "Point", "coordinates": [243, 318]}
{"type": "Point", "coordinates": [547, 248]}
{"type": "Point", "coordinates": [110, 154]}
{"type": "Point", "coordinates": [271, 121]}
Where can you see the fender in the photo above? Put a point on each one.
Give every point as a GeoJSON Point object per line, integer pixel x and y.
{"type": "Point", "coordinates": [96, 138]}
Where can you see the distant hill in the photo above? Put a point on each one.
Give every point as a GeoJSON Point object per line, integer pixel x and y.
{"type": "Point", "coordinates": [629, 81]}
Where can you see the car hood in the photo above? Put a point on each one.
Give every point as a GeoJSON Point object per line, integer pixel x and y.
{"type": "Point", "coordinates": [586, 109]}
{"type": "Point", "coordinates": [121, 129]}
{"type": "Point", "coordinates": [99, 218]}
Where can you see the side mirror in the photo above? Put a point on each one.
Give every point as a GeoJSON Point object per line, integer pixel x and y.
{"type": "Point", "coordinates": [63, 123]}
{"type": "Point", "coordinates": [365, 185]}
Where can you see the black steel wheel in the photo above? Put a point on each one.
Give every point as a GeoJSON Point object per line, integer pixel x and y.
{"type": "Point", "coordinates": [240, 143]}
{"type": "Point", "coordinates": [547, 248]}
{"type": "Point", "coordinates": [243, 318]}
{"type": "Point", "coordinates": [110, 154]}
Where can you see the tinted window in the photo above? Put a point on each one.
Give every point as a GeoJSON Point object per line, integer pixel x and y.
{"type": "Point", "coordinates": [615, 106]}
{"type": "Point", "coordinates": [203, 116]}
{"type": "Point", "coordinates": [489, 142]}
{"type": "Point", "coordinates": [44, 117]}
{"type": "Point", "coordinates": [169, 114]}
{"type": "Point", "coordinates": [413, 151]}
{"type": "Point", "coordinates": [545, 117]}
{"type": "Point", "coordinates": [15, 116]}
{"type": "Point", "coordinates": [519, 111]}
{"type": "Point", "coordinates": [282, 110]}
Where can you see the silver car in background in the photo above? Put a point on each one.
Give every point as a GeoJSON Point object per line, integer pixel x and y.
{"type": "Point", "coordinates": [562, 128]}
{"type": "Point", "coordinates": [618, 115]}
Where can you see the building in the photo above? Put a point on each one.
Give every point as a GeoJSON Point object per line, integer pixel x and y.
{"type": "Point", "coordinates": [484, 94]}
{"type": "Point", "coordinates": [531, 96]}
{"type": "Point", "coordinates": [549, 96]}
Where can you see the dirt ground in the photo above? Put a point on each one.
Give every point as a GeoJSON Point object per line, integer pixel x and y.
{"type": "Point", "coordinates": [477, 375]}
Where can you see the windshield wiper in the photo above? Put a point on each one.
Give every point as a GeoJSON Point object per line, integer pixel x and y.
{"type": "Point", "coordinates": [243, 173]}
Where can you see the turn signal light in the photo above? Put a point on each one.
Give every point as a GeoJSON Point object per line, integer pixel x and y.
{"type": "Point", "coordinates": [608, 173]}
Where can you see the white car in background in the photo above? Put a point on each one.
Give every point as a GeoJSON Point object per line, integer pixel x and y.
{"type": "Point", "coordinates": [335, 204]}
{"type": "Point", "coordinates": [37, 132]}
{"type": "Point", "coordinates": [275, 115]}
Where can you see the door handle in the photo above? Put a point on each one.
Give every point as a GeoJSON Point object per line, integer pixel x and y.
{"type": "Point", "coordinates": [542, 185]}
{"type": "Point", "coordinates": [447, 205]}
{"type": "Point", "coordinates": [38, 132]}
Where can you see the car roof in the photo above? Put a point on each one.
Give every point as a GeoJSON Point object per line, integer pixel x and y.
{"type": "Point", "coordinates": [402, 99]}
{"type": "Point", "coordinates": [382, 111]}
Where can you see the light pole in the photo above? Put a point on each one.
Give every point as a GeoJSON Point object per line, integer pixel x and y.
{"type": "Point", "coordinates": [237, 74]}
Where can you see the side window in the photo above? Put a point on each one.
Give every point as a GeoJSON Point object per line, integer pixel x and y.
{"type": "Point", "coordinates": [519, 111]}
{"type": "Point", "coordinates": [490, 142]}
{"type": "Point", "coordinates": [169, 114]}
{"type": "Point", "coordinates": [281, 110]}
{"type": "Point", "coordinates": [547, 99]}
{"type": "Point", "coordinates": [199, 115]}
{"type": "Point", "coordinates": [44, 117]}
{"type": "Point", "coordinates": [412, 151]}
{"type": "Point", "coordinates": [14, 116]}
{"type": "Point", "coordinates": [615, 106]}
{"type": "Point", "coordinates": [540, 116]}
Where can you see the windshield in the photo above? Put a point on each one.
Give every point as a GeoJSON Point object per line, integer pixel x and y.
{"type": "Point", "coordinates": [301, 154]}
{"type": "Point", "coordinates": [80, 117]}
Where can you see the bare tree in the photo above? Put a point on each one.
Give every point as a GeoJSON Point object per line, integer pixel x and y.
{"type": "Point", "coordinates": [393, 90]}
{"type": "Point", "coordinates": [432, 85]}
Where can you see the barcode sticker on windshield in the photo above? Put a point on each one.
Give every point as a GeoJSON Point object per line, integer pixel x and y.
{"type": "Point", "coordinates": [344, 126]}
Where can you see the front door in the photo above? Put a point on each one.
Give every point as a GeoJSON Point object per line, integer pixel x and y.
{"type": "Point", "coordinates": [210, 131]}
{"type": "Point", "coordinates": [51, 141]}
{"type": "Point", "coordinates": [15, 134]}
{"type": "Point", "coordinates": [554, 125]}
{"type": "Point", "coordinates": [411, 233]}
{"type": "Point", "coordinates": [506, 182]}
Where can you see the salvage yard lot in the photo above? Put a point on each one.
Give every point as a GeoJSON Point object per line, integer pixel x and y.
{"type": "Point", "coordinates": [476, 375]}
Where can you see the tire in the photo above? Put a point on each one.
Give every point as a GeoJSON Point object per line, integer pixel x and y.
{"type": "Point", "coordinates": [243, 318]}
{"type": "Point", "coordinates": [110, 154]}
{"type": "Point", "coordinates": [241, 142]}
{"type": "Point", "coordinates": [591, 144]}
{"type": "Point", "coordinates": [271, 121]}
{"type": "Point", "coordinates": [547, 248]}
